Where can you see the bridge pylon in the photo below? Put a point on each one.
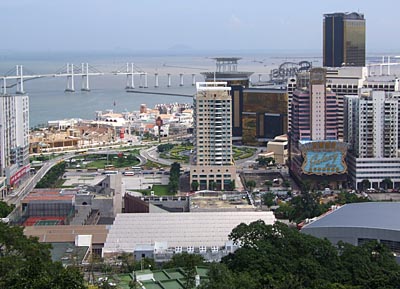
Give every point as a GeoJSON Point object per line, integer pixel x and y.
{"type": "Point", "coordinates": [85, 77]}
{"type": "Point", "coordinates": [130, 77]}
{"type": "Point", "coordinates": [193, 79]}
{"type": "Point", "coordinates": [20, 80]}
{"type": "Point", "coordinates": [70, 78]}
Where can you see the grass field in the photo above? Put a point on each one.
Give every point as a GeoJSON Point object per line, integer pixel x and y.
{"type": "Point", "coordinates": [243, 152]}
{"type": "Point", "coordinates": [159, 190]}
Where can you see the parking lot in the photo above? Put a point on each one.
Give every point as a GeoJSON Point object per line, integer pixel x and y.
{"type": "Point", "coordinates": [138, 181]}
{"type": "Point", "coordinates": [143, 180]}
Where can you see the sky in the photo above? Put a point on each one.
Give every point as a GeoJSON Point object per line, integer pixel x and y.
{"type": "Point", "coordinates": [166, 25]}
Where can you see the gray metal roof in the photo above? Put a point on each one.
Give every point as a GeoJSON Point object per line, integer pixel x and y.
{"type": "Point", "coordinates": [381, 215]}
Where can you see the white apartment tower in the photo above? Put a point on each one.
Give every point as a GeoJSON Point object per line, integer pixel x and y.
{"type": "Point", "coordinates": [14, 139]}
{"type": "Point", "coordinates": [212, 161]}
{"type": "Point", "coordinates": [372, 131]}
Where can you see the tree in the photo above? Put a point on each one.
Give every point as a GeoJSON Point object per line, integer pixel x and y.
{"type": "Point", "coordinates": [50, 180]}
{"type": "Point", "coordinates": [365, 184]}
{"type": "Point", "coordinates": [347, 198]}
{"type": "Point", "coordinates": [268, 183]}
{"type": "Point", "coordinates": [232, 185]}
{"type": "Point", "coordinates": [285, 211]}
{"type": "Point", "coordinates": [220, 277]}
{"type": "Point", "coordinates": [251, 184]}
{"type": "Point", "coordinates": [26, 263]}
{"type": "Point", "coordinates": [262, 161]}
{"type": "Point", "coordinates": [5, 209]}
{"type": "Point", "coordinates": [188, 262]}
{"type": "Point", "coordinates": [183, 259]}
{"type": "Point", "coordinates": [276, 256]}
{"type": "Point", "coordinates": [165, 147]}
{"type": "Point", "coordinates": [265, 161]}
{"type": "Point", "coordinates": [306, 205]}
{"type": "Point", "coordinates": [175, 172]}
{"type": "Point", "coordinates": [269, 199]}
{"type": "Point", "coordinates": [195, 185]}
{"type": "Point", "coordinates": [387, 183]}
{"type": "Point", "coordinates": [127, 262]}
{"type": "Point", "coordinates": [305, 186]}
{"type": "Point", "coordinates": [212, 185]}
{"type": "Point", "coordinates": [286, 184]}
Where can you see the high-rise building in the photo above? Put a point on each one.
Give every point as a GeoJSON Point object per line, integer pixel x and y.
{"type": "Point", "coordinates": [344, 39]}
{"type": "Point", "coordinates": [315, 154]}
{"type": "Point", "coordinates": [372, 131]}
{"type": "Point", "coordinates": [14, 139]}
{"type": "Point", "coordinates": [212, 161]}
{"type": "Point", "coordinates": [314, 109]}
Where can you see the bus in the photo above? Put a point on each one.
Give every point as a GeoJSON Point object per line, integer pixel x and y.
{"type": "Point", "coordinates": [129, 173]}
{"type": "Point", "coordinates": [110, 173]}
{"type": "Point", "coordinates": [136, 169]}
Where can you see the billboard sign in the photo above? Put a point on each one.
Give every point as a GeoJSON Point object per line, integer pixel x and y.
{"type": "Point", "coordinates": [324, 157]}
{"type": "Point", "coordinates": [19, 174]}
{"type": "Point", "coordinates": [289, 69]}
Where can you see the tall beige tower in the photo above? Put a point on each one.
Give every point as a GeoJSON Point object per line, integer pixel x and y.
{"type": "Point", "coordinates": [212, 161]}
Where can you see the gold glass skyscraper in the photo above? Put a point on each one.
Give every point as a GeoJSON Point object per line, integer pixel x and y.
{"type": "Point", "coordinates": [344, 39]}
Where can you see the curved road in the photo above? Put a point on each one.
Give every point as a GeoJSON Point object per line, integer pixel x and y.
{"type": "Point", "coordinates": [152, 155]}
{"type": "Point", "coordinates": [16, 197]}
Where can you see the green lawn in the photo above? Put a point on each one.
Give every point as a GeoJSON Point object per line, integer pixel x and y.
{"type": "Point", "coordinates": [175, 153]}
{"type": "Point", "coordinates": [99, 161]}
{"type": "Point", "coordinates": [159, 190]}
{"type": "Point", "coordinates": [243, 152]}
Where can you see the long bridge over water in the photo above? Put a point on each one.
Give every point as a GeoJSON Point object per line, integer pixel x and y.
{"type": "Point", "coordinates": [16, 77]}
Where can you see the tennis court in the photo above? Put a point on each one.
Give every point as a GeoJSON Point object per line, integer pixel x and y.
{"type": "Point", "coordinates": [44, 221]}
{"type": "Point", "coordinates": [47, 223]}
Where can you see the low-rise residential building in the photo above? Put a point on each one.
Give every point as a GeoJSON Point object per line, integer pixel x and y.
{"type": "Point", "coordinates": [278, 149]}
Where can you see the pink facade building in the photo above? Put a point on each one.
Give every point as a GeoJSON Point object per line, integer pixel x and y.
{"type": "Point", "coordinates": [314, 110]}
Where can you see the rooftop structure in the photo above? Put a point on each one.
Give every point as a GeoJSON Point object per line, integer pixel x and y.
{"type": "Point", "coordinates": [46, 196]}
{"type": "Point", "coordinates": [227, 71]}
{"type": "Point", "coordinates": [67, 234]}
{"type": "Point", "coordinates": [359, 223]}
{"type": "Point", "coordinates": [187, 231]}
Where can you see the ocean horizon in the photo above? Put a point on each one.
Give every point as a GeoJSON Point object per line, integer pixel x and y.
{"type": "Point", "coordinates": [48, 101]}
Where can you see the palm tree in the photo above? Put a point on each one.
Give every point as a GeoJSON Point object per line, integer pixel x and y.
{"type": "Point", "coordinates": [387, 183]}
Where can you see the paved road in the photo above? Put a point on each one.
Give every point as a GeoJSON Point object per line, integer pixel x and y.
{"type": "Point", "coordinates": [248, 161]}
{"type": "Point", "coordinates": [19, 193]}
{"type": "Point", "coordinates": [152, 155]}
